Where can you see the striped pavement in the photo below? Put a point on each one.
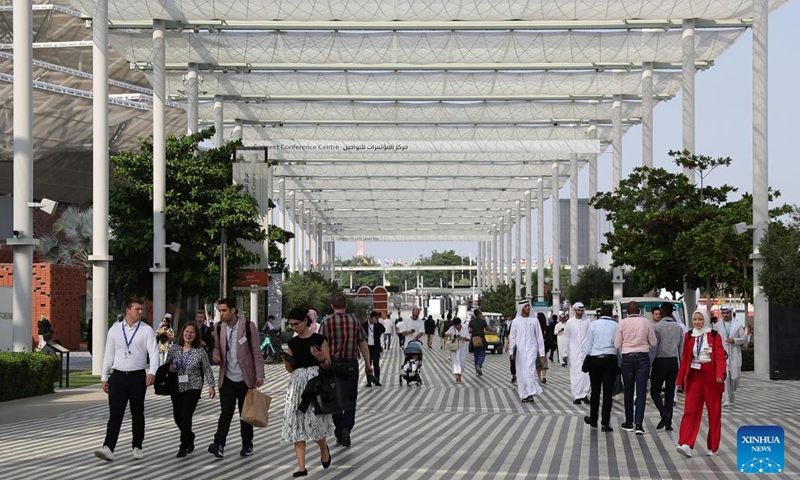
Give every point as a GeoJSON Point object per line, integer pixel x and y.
{"type": "Point", "coordinates": [477, 430]}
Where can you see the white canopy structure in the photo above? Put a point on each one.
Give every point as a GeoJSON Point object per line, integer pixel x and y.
{"type": "Point", "coordinates": [382, 120]}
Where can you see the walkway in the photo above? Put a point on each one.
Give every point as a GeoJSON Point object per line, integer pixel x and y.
{"type": "Point", "coordinates": [478, 430]}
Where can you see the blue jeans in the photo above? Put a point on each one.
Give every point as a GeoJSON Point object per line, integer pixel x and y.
{"type": "Point", "coordinates": [635, 371]}
{"type": "Point", "coordinates": [480, 355]}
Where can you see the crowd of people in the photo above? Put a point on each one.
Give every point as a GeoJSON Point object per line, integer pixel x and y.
{"type": "Point", "coordinates": [636, 352]}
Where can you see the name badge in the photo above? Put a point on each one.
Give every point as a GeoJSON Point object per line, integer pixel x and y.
{"type": "Point", "coordinates": [695, 366]}
{"type": "Point", "coordinates": [183, 378]}
{"type": "Point", "coordinates": [242, 340]}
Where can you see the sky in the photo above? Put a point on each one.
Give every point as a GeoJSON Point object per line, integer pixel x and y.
{"type": "Point", "coordinates": [723, 129]}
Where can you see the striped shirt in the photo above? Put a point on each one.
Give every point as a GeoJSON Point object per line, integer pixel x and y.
{"type": "Point", "coordinates": [344, 334]}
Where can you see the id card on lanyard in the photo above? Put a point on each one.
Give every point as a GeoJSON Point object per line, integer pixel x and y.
{"type": "Point", "coordinates": [698, 342]}
{"type": "Point", "coordinates": [182, 365]}
{"type": "Point", "coordinates": [125, 336]}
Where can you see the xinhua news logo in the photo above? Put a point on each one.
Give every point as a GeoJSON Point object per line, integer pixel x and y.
{"type": "Point", "coordinates": [760, 449]}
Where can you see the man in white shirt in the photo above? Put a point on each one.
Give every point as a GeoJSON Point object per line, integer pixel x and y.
{"type": "Point", "coordinates": [414, 328]}
{"type": "Point", "coordinates": [124, 379]}
{"type": "Point", "coordinates": [388, 332]}
{"type": "Point", "coordinates": [733, 338]}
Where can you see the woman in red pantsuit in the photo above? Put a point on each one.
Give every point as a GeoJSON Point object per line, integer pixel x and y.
{"type": "Point", "coordinates": [702, 376]}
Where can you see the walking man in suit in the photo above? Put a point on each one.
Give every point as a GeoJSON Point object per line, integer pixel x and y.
{"type": "Point", "coordinates": [374, 330]}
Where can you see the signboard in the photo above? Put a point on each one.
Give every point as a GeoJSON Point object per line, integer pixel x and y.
{"type": "Point", "coordinates": [253, 278]}
{"type": "Point", "coordinates": [275, 294]}
{"type": "Point", "coordinates": [253, 177]}
{"type": "Point", "coordinates": [540, 304]}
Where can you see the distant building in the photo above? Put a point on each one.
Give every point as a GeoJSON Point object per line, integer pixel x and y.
{"type": "Point", "coordinates": [583, 231]}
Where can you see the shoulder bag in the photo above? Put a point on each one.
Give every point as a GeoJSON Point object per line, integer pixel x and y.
{"type": "Point", "coordinates": [453, 344]}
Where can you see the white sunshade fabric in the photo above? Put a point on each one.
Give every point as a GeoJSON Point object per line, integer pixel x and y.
{"type": "Point", "coordinates": [408, 10]}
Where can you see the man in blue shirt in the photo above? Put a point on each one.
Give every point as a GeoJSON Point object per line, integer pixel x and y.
{"type": "Point", "coordinates": [599, 348]}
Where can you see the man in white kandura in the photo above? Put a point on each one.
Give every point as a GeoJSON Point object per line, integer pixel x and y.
{"type": "Point", "coordinates": [733, 338]}
{"type": "Point", "coordinates": [526, 345]}
{"type": "Point", "coordinates": [574, 336]}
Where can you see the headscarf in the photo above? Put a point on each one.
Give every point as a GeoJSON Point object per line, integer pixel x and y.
{"type": "Point", "coordinates": [706, 325]}
{"type": "Point", "coordinates": [521, 304]}
{"type": "Point", "coordinates": [312, 314]}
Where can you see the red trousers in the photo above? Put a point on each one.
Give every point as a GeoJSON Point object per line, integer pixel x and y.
{"type": "Point", "coordinates": [702, 387]}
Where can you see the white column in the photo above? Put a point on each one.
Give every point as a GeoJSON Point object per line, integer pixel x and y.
{"type": "Point", "coordinates": [593, 245]}
{"type": "Point", "coordinates": [23, 242]}
{"type": "Point", "coordinates": [299, 228]}
{"type": "Point", "coordinates": [281, 211]}
{"type": "Point", "coordinates": [501, 252]}
{"type": "Point", "coordinates": [528, 245]}
{"type": "Point", "coordinates": [319, 248]}
{"type": "Point", "coordinates": [556, 239]}
{"type": "Point", "coordinates": [616, 134]}
{"type": "Point", "coordinates": [687, 90]}
{"type": "Point", "coordinates": [159, 268]}
{"type": "Point", "coordinates": [100, 170]}
{"type": "Point", "coordinates": [518, 251]}
{"type": "Point", "coordinates": [573, 218]}
{"type": "Point", "coordinates": [647, 114]}
{"type": "Point", "coordinates": [254, 306]}
{"type": "Point", "coordinates": [293, 245]}
{"type": "Point", "coordinates": [540, 240]}
{"type": "Point", "coordinates": [760, 181]}
{"type": "Point", "coordinates": [507, 260]}
{"type": "Point", "coordinates": [495, 267]}
{"type": "Point", "coordinates": [238, 129]}
{"type": "Point", "coordinates": [219, 121]}
{"type": "Point", "coordinates": [478, 260]}
{"type": "Point", "coordinates": [191, 98]}
{"type": "Point", "coordinates": [267, 218]}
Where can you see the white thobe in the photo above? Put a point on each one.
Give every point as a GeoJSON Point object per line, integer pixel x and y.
{"type": "Point", "coordinates": [734, 330]}
{"type": "Point", "coordinates": [526, 342]}
{"type": "Point", "coordinates": [459, 357]}
{"type": "Point", "coordinates": [560, 338]}
{"type": "Point", "coordinates": [574, 336]}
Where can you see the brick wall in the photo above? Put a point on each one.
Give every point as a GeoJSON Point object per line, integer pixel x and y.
{"type": "Point", "coordinates": [57, 292]}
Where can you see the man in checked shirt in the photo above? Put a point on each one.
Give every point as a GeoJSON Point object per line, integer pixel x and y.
{"type": "Point", "coordinates": [345, 338]}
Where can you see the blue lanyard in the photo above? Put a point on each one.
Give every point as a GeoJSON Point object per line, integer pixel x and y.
{"type": "Point", "coordinates": [125, 335]}
{"type": "Point", "coordinates": [182, 362]}
{"type": "Point", "coordinates": [727, 329]}
{"type": "Point", "coordinates": [231, 333]}
{"type": "Point", "coordinates": [699, 342]}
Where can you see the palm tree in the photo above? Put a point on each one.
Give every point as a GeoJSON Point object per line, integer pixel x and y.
{"type": "Point", "coordinates": [71, 244]}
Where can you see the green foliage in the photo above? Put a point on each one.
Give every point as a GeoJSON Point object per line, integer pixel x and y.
{"type": "Point", "coordinates": [369, 278]}
{"type": "Point", "coordinates": [593, 287]}
{"type": "Point", "coordinates": [431, 278]}
{"type": "Point", "coordinates": [500, 299]}
{"type": "Point", "coordinates": [748, 359]}
{"type": "Point", "coordinates": [309, 290]}
{"type": "Point", "coordinates": [26, 374]}
{"type": "Point", "coordinates": [548, 283]}
{"type": "Point", "coordinates": [70, 243]}
{"type": "Point", "coordinates": [670, 230]}
{"type": "Point", "coordinates": [780, 274]}
{"type": "Point", "coordinates": [200, 202]}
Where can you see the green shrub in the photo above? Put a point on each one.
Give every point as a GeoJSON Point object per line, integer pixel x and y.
{"type": "Point", "coordinates": [26, 374]}
{"type": "Point", "coordinates": [748, 364]}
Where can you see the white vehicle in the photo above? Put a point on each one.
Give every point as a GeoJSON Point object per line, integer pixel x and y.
{"type": "Point", "coordinates": [646, 305]}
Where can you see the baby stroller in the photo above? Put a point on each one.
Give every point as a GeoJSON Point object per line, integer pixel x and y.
{"type": "Point", "coordinates": [412, 364]}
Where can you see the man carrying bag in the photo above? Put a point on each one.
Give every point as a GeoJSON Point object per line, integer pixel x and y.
{"type": "Point", "coordinates": [345, 338]}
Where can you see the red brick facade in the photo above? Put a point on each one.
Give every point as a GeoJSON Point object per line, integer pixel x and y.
{"type": "Point", "coordinates": [57, 292]}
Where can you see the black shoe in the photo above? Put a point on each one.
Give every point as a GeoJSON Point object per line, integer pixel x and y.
{"type": "Point", "coordinates": [301, 473]}
{"type": "Point", "coordinates": [662, 423]}
{"type": "Point", "coordinates": [190, 449]}
{"type": "Point", "coordinates": [563, 364]}
{"type": "Point", "coordinates": [368, 385]}
{"type": "Point", "coordinates": [588, 421]}
{"type": "Point", "coordinates": [217, 450]}
{"type": "Point", "coordinates": [378, 384]}
{"type": "Point", "coordinates": [330, 458]}
{"type": "Point", "coordinates": [246, 451]}
{"type": "Point", "coordinates": [544, 380]}
{"type": "Point", "coordinates": [586, 400]}
{"type": "Point", "coordinates": [577, 401]}
{"type": "Point", "coordinates": [513, 379]}
{"type": "Point", "coordinates": [639, 429]}
{"type": "Point", "coordinates": [627, 426]}
{"type": "Point", "coordinates": [181, 453]}
{"type": "Point", "coordinates": [668, 427]}
{"type": "Point", "coordinates": [606, 428]}
{"type": "Point", "coordinates": [478, 370]}
{"type": "Point", "coordinates": [344, 439]}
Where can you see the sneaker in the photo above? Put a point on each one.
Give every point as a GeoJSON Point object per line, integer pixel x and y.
{"type": "Point", "coordinates": [606, 428]}
{"type": "Point", "coordinates": [563, 364]}
{"type": "Point", "coordinates": [711, 453]}
{"type": "Point", "coordinates": [138, 454]}
{"type": "Point", "coordinates": [726, 403]}
{"type": "Point", "coordinates": [217, 450]}
{"type": "Point", "coordinates": [478, 370]}
{"type": "Point", "coordinates": [105, 453]}
{"type": "Point", "coordinates": [544, 380]}
{"type": "Point", "coordinates": [588, 421]}
{"type": "Point", "coordinates": [513, 379]}
{"type": "Point", "coordinates": [627, 426]}
{"type": "Point", "coordinates": [246, 451]}
{"type": "Point", "coordinates": [684, 450]}
{"type": "Point", "coordinates": [662, 423]}
{"type": "Point", "coordinates": [639, 429]}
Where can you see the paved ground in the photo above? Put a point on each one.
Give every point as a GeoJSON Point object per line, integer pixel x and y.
{"type": "Point", "coordinates": [478, 430]}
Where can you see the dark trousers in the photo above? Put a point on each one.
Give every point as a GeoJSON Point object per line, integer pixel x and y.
{"type": "Point", "coordinates": [347, 373]}
{"type": "Point", "coordinates": [402, 339]}
{"type": "Point", "coordinates": [124, 388]}
{"type": "Point", "coordinates": [665, 371]}
{"type": "Point", "coordinates": [375, 360]}
{"type": "Point", "coordinates": [183, 406]}
{"type": "Point", "coordinates": [602, 374]}
{"type": "Point", "coordinates": [635, 370]}
{"type": "Point", "coordinates": [513, 366]}
{"type": "Point", "coordinates": [231, 393]}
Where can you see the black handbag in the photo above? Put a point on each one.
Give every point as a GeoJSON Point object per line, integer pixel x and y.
{"type": "Point", "coordinates": [166, 382]}
{"type": "Point", "coordinates": [587, 364]}
{"type": "Point", "coordinates": [331, 396]}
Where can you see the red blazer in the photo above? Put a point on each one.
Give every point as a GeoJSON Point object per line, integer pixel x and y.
{"type": "Point", "coordinates": [718, 362]}
{"type": "Point", "coordinates": [250, 359]}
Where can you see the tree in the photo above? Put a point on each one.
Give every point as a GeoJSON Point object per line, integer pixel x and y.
{"type": "Point", "coordinates": [500, 299]}
{"type": "Point", "coordinates": [71, 244]}
{"type": "Point", "coordinates": [651, 211]}
{"type": "Point", "coordinates": [592, 288]}
{"type": "Point", "coordinates": [309, 290]}
{"type": "Point", "coordinates": [369, 278]}
{"type": "Point", "coordinates": [200, 202]}
{"type": "Point", "coordinates": [780, 251]}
